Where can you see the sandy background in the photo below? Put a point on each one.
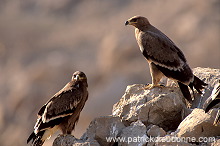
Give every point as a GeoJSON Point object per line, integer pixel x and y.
{"type": "Point", "coordinates": [43, 42]}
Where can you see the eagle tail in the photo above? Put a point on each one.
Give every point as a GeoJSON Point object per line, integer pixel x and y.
{"type": "Point", "coordinates": [32, 136]}
{"type": "Point", "coordinates": [217, 119]}
{"type": "Point", "coordinates": [37, 138]}
{"type": "Point", "coordinates": [197, 84]}
{"type": "Point", "coordinates": [210, 103]}
{"type": "Point", "coordinates": [185, 90]}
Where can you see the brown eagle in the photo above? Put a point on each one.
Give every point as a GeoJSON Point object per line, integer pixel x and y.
{"type": "Point", "coordinates": [164, 57]}
{"type": "Point", "coordinates": [213, 100]}
{"type": "Point", "coordinates": [62, 111]}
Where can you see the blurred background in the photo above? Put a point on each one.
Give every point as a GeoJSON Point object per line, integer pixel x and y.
{"type": "Point", "coordinates": [43, 42]}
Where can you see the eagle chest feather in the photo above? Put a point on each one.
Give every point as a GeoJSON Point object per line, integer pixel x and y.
{"type": "Point", "coordinates": [141, 40]}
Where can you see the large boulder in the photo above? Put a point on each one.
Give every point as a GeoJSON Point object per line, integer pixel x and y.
{"type": "Point", "coordinates": [198, 124]}
{"type": "Point", "coordinates": [162, 106]}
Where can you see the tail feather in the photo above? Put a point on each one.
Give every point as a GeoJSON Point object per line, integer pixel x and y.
{"type": "Point", "coordinates": [217, 118]}
{"type": "Point", "coordinates": [37, 138]}
{"type": "Point", "coordinates": [32, 136]}
{"type": "Point", "coordinates": [197, 84]}
{"type": "Point", "coordinates": [210, 103]}
{"type": "Point", "coordinates": [214, 99]}
{"type": "Point", "coordinates": [185, 90]}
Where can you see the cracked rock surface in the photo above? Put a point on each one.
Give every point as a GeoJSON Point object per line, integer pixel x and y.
{"type": "Point", "coordinates": [160, 106]}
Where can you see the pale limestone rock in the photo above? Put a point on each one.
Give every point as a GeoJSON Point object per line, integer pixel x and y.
{"type": "Point", "coordinates": [216, 143]}
{"type": "Point", "coordinates": [198, 124]}
{"type": "Point", "coordinates": [162, 106]}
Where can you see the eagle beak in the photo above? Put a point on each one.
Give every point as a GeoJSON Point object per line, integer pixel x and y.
{"type": "Point", "coordinates": [77, 77]}
{"type": "Point", "coordinates": [126, 23]}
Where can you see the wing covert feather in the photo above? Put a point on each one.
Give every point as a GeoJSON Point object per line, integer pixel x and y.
{"type": "Point", "coordinates": [62, 105]}
{"type": "Point", "coordinates": [161, 50]}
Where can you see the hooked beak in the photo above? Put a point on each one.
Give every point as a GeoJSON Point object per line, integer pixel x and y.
{"type": "Point", "coordinates": [126, 23]}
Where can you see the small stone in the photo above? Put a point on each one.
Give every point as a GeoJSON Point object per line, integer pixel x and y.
{"type": "Point", "coordinates": [102, 128]}
{"type": "Point", "coordinates": [134, 135]}
{"type": "Point", "coordinates": [64, 140]}
{"type": "Point", "coordinates": [156, 131]}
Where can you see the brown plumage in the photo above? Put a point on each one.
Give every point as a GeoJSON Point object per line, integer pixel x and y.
{"type": "Point", "coordinates": [62, 111]}
{"type": "Point", "coordinates": [164, 57]}
{"type": "Point", "coordinates": [212, 101]}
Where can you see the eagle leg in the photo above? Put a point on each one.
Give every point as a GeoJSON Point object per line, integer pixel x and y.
{"type": "Point", "coordinates": [156, 76]}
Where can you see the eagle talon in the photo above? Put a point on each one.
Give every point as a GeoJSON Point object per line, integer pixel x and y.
{"type": "Point", "coordinates": [148, 86]}
{"type": "Point", "coordinates": [161, 85]}
{"type": "Point", "coordinates": [151, 86]}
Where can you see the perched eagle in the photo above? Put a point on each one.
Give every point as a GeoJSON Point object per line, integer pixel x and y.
{"type": "Point", "coordinates": [62, 111]}
{"type": "Point", "coordinates": [164, 57]}
{"type": "Point", "coordinates": [213, 100]}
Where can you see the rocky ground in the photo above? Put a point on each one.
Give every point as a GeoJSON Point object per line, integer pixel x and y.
{"type": "Point", "coordinates": [159, 116]}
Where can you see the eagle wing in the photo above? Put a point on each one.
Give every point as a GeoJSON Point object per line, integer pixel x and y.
{"type": "Point", "coordinates": [62, 104]}
{"type": "Point", "coordinates": [158, 48]}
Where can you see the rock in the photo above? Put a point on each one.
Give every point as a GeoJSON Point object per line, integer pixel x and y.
{"type": "Point", "coordinates": [159, 106]}
{"type": "Point", "coordinates": [102, 128]}
{"type": "Point", "coordinates": [155, 131]}
{"type": "Point", "coordinates": [86, 143]}
{"type": "Point", "coordinates": [69, 140]}
{"type": "Point", "coordinates": [216, 143]}
{"type": "Point", "coordinates": [170, 141]}
{"type": "Point", "coordinates": [198, 124]}
{"type": "Point", "coordinates": [134, 134]}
